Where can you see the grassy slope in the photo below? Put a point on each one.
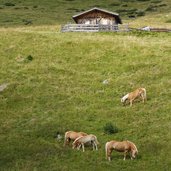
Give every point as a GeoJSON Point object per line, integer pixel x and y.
{"type": "Point", "coordinates": [61, 89]}
{"type": "Point", "coordinates": [41, 12]}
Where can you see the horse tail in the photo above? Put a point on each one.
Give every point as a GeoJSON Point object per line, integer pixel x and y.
{"type": "Point", "coordinates": [144, 93]}
{"type": "Point", "coordinates": [106, 145]}
{"type": "Point", "coordinates": [65, 138]}
{"type": "Point", "coordinates": [124, 98]}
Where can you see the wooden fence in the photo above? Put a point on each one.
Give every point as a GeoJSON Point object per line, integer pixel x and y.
{"type": "Point", "coordinates": [93, 28]}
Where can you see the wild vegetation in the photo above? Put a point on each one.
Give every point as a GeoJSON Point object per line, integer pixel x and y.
{"type": "Point", "coordinates": [55, 83]}
{"type": "Point", "coordinates": [43, 12]}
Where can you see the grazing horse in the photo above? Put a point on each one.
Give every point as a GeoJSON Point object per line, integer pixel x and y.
{"type": "Point", "coordinates": [80, 141]}
{"type": "Point", "coordinates": [140, 92]}
{"type": "Point", "coordinates": [71, 135]}
{"type": "Point", "coordinates": [123, 146]}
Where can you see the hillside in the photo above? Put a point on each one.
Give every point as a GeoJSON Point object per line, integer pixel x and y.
{"type": "Point", "coordinates": [55, 84]}
{"type": "Point", "coordinates": [42, 12]}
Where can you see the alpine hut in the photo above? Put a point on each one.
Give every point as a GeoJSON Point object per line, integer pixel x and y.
{"type": "Point", "coordinates": [94, 20]}
{"type": "Point", "coordinates": [97, 16]}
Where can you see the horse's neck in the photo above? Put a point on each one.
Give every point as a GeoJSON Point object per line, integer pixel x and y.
{"type": "Point", "coordinates": [133, 146]}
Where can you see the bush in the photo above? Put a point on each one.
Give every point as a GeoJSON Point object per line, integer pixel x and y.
{"type": "Point", "coordinates": [156, 1]}
{"type": "Point", "coordinates": [115, 4]}
{"type": "Point", "coordinates": [140, 13]}
{"type": "Point", "coordinates": [109, 128]}
{"type": "Point", "coordinates": [143, 0]}
{"type": "Point", "coordinates": [35, 6]}
{"type": "Point", "coordinates": [162, 5]}
{"type": "Point", "coordinates": [125, 5]}
{"type": "Point", "coordinates": [27, 22]}
{"type": "Point", "coordinates": [29, 58]}
{"type": "Point", "coordinates": [9, 4]}
{"type": "Point", "coordinates": [168, 21]}
{"type": "Point", "coordinates": [26, 7]}
{"type": "Point", "coordinates": [151, 8]}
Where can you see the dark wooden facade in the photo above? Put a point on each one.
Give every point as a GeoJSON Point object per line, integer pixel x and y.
{"type": "Point", "coordinates": [97, 16]}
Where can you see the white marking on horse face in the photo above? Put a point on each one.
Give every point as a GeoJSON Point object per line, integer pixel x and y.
{"type": "Point", "coordinates": [124, 98]}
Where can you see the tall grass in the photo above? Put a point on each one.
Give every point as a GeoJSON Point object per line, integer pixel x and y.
{"type": "Point", "coordinates": [43, 12]}
{"type": "Point", "coordinates": [62, 89]}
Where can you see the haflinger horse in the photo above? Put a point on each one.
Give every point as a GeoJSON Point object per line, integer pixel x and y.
{"type": "Point", "coordinates": [138, 93]}
{"type": "Point", "coordinates": [123, 146]}
{"type": "Point", "coordinates": [71, 135]}
{"type": "Point", "coordinates": [81, 141]}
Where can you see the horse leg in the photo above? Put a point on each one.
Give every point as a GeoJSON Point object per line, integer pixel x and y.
{"type": "Point", "coordinates": [125, 153]}
{"type": "Point", "coordinates": [92, 144]}
{"type": "Point", "coordinates": [109, 154]}
{"type": "Point", "coordinates": [131, 156]}
{"type": "Point", "coordinates": [95, 146]}
{"type": "Point", "coordinates": [142, 96]}
{"type": "Point", "coordinates": [131, 102]}
{"type": "Point", "coordinates": [66, 141]}
{"type": "Point", "coordinates": [79, 146]}
{"type": "Point", "coordinates": [83, 146]}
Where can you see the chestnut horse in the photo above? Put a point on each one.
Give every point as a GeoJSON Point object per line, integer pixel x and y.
{"type": "Point", "coordinates": [71, 135]}
{"type": "Point", "coordinates": [80, 141]}
{"type": "Point", "coordinates": [123, 146]}
{"type": "Point", "coordinates": [140, 92]}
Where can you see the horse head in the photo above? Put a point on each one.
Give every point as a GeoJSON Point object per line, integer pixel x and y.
{"type": "Point", "coordinates": [134, 151]}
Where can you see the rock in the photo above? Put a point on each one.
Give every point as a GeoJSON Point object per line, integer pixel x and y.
{"type": "Point", "coordinates": [3, 86]}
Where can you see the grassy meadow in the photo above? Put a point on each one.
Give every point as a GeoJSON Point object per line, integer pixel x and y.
{"type": "Point", "coordinates": [55, 84]}
{"type": "Point", "coordinates": [43, 12]}
{"type": "Point", "coordinates": [60, 88]}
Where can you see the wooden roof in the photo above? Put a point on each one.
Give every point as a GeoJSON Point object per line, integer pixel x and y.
{"type": "Point", "coordinates": [116, 15]}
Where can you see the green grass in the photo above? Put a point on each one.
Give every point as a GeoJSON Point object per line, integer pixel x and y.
{"type": "Point", "coordinates": [43, 12]}
{"type": "Point", "coordinates": [61, 89]}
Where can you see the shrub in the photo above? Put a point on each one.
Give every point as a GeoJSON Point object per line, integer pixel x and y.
{"type": "Point", "coordinates": [151, 8]}
{"type": "Point", "coordinates": [168, 21]}
{"type": "Point", "coordinates": [140, 13]}
{"type": "Point", "coordinates": [109, 128]}
{"type": "Point", "coordinates": [8, 20]}
{"type": "Point", "coordinates": [125, 5]}
{"type": "Point", "coordinates": [162, 5]}
{"type": "Point", "coordinates": [115, 4]}
{"type": "Point", "coordinates": [9, 4]}
{"type": "Point", "coordinates": [156, 1]}
{"type": "Point", "coordinates": [29, 58]}
{"type": "Point", "coordinates": [143, 0]}
{"type": "Point", "coordinates": [72, 9]}
{"type": "Point", "coordinates": [27, 22]}
{"type": "Point", "coordinates": [35, 6]}
{"type": "Point", "coordinates": [26, 7]}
